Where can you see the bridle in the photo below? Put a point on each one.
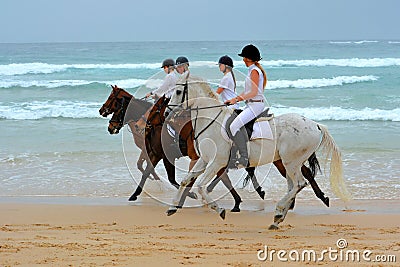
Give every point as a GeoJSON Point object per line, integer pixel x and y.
{"type": "Point", "coordinates": [119, 115]}
{"type": "Point", "coordinates": [185, 97]}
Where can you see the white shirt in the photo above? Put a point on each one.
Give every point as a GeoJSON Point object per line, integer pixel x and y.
{"type": "Point", "coordinates": [168, 85]}
{"type": "Point", "coordinates": [228, 84]}
{"type": "Point", "coordinates": [248, 83]}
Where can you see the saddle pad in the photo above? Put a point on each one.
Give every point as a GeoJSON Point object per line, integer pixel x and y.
{"type": "Point", "coordinates": [261, 129]}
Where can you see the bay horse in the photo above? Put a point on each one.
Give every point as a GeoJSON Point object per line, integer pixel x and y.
{"type": "Point", "coordinates": [117, 104]}
{"type": "Point", "coordinates": [128, 110]}
{"type": "Point", "coordinates": [295, 140]}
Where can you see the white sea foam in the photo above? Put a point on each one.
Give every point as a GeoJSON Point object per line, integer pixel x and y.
{"type": "Point", "coordinates": [78, 109]}
{"type": "Point", "coordinates": [316, 83]}
{"type": "Point", "coordinates": [353, 42]}
{"type": "Point", "coordinates": [126, 83]}
{"type": "Point", "coordinates": [49, 109]}
{"type": "Point", "coordinates": [341, 114]}
{"type": "Point", "coordinates": [348, 62]}
{"type": "Point", "coordinates": [155, 83]}
{"type": "Point", "coordinates": [45, 68]}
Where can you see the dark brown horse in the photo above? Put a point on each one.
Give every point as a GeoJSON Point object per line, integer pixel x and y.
{"type": "Point", "coordinates": [117, 104]}
{"type": "Point", "coordinates": [128, 110]}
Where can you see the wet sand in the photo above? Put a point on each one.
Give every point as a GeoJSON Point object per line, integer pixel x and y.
{"type": "Point", "coordinates": [142, 235]}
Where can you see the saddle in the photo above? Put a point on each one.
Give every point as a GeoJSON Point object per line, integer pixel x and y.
{"type": "Point", "coordinates": [248, 126]}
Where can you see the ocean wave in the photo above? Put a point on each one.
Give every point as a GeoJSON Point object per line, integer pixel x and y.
{"type": "Point", "coordinates": [348, 62]}
{"type": "Point", "coordinates": [125, 83]}
{"type": "Point", "coordinates": [354, 42]}
{"type": "Point", "coordinates": [45, 68]}
{"type": "Point", "coordinates": [78, 110]}
{"type": "Point", "coordinates": [49, 109]}
{"type": "Point", "coordinates": [341, 114]}
{"type": "Point", "coordinates": [316, 83]}
{"type": "Point", "coordinates": [155, 83]}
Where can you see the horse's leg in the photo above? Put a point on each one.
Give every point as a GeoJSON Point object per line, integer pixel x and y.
{"type": "Point", "coordinates": [294, 174]}
{"type": "Point", "coordinates": [308, 175]}
{"type": "Point", "coordinates": [279, 165]}
{"type": "Point", "coordinates": [209, 173]}
{"type": "Point", "coordinates": [252, 176]}
{"type": "Point", "coordinates": [227, 182]}
{"type": "Point", "coordinates": [151, 163]}
{"type": "Point", "coordinates": [214, 182]}
{"type": "Point", "coordinates": [139, 164]}
{"type": "Point", "coordinates": [177, 202]}
{"type": "Point", "coordinates": [317, 191]}
{"type": "Point", "coordinates": [170, 168]}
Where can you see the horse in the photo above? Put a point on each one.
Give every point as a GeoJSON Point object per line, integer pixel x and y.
{"type": "Point", "coordinates": [118, 100]}
{"type": "Point", "coordinates": [295, 140]}
{"type": "Point", "coordinates": [128, 110]}
{"type": "Point", "coordinates": [154, 118]}
{"type": "Point", "coordinates": [152, 123]}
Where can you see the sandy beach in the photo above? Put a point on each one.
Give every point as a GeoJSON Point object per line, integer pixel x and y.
{"type": "Point", "coordinates": [142, 235]}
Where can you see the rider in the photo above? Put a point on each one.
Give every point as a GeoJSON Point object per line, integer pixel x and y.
{"type": "Point", "coordinates": [169, 82]}
{"type": "Point", "coordinates": [182, 65]}
{"type": "Point", "coordinates": [252, 95]}
{"type": "Point", "coordinates": [227, 84]}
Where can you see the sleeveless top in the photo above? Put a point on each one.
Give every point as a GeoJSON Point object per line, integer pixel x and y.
{"type": "Point", "coordinates": [248, 83]}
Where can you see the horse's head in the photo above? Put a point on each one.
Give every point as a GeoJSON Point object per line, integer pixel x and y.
{"type": "Point", "coordinates": [154, 116]}
{"type": "Point", "coordinates": [116, 122]}
{"type": "Point", "coordinates": [188, 90]}
{"type": "Point", "coordinates": [114, 101]}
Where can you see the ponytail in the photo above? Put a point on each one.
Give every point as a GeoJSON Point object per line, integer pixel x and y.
{"type": "Point", "coordinates": [234, 80]}
{"type": "Point", "coordinates": [263, 72]}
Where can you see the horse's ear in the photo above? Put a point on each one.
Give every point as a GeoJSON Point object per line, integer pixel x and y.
{"type": "Point", "coordinates": [113, 87]}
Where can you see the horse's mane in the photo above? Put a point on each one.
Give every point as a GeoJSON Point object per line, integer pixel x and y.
{"type": "Point", "coordinates": [205, 86]}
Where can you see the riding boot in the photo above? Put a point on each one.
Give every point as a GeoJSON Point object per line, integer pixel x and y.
{"type": "Point", "coordinates": [240, 140]}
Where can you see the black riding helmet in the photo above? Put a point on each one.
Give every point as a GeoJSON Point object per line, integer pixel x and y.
{"type": "Point", "coordinates": [226, 60]}
{"type": "Point", "coordinates": [181, 60]}
{"type": "Point", "coordinates": [168, 63]}
{"type": "Point", "coordinates": [251, 52]}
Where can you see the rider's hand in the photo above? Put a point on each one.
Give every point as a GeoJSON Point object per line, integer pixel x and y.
{"type": "Point", "coordinates": [148, 95]}
{"type": "Point", "coordinates": [231, 101]}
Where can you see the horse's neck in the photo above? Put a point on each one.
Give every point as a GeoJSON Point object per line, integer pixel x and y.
{"type": "Point", "coordinates": [136, 109]}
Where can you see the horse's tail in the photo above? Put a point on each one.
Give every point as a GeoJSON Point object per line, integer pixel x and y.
{"type": "Point", "coordinates": [336, 169]}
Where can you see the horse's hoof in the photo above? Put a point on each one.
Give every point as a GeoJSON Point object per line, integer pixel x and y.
{"type": "Point", "coordinates": [273, 227]}
{"type": "Point", "coordinates": [235, 209]}
{"type": "Point", "coordinates": [193, 195]}
{"type": "Point", "coordinates": [171, 211]}
{"type": "Point", "coordinates": [222, 214]}
{"type": "Point", "coordinates": [326, 201]}
{"type": "Point", "coordinates": [132, 198]}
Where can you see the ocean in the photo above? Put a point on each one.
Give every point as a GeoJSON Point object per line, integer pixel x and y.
{"type": "Point", "coordinates": [53, 142]}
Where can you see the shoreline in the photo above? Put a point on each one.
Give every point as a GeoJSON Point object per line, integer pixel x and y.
{"type": "Point", "coordinates": [142, 235]}
{"type": "Point", "coordinates": [303, 206]}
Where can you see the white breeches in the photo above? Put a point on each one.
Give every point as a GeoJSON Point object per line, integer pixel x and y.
{"type": "Point", "coordinates": [251, 111]}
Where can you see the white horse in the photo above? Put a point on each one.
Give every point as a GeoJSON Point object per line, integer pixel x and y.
{"type": "Point", "coordinates": [295, 139]}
